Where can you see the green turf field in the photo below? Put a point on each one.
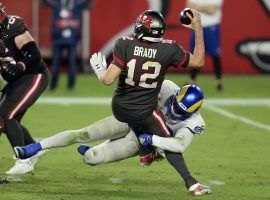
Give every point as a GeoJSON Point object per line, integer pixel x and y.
{"type": "Point", "coordinates": [232, 156]}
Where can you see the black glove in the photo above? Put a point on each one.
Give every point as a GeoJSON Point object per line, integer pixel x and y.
{"type": "Point", "coordinates": [12, 71]}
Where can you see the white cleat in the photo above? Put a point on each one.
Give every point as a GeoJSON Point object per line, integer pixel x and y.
{"type": "Point", "coordinates": [199, 189]}
{"type": "Point", "coordinates": [37, 156]}
{"type": "Point", "coordinates": [23, 166]}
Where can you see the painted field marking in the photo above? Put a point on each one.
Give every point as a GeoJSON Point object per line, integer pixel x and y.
{"type": "Point", "coordinates": [210, 104]}
{"type": "Point", "coordinates": [75, 100]}
{"type": "Point", "coordinates": [107, 101]}
{"type": "Point", "coordinates": [237, 117]}
{"type": "Point", "coordinates": [216, 182]}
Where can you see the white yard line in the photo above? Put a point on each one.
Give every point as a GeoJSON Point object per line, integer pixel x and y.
{"type": "Point", "coordinates": [75, 100]}
{"type": "Point", "coordinates": [238, 101]}
{"type": "Point", "coordinates": [210, 104]}
{"type": "Point", "coordinates": [107, 101]}
{"type": "Point", "coordinates": [237, 117]}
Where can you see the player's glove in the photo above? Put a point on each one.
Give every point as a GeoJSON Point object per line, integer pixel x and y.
{"type": "Point", "coordinates": [12, 71]}
{"type": "Point", "coordinates": [99, 64]}
{"type": "Point", "coordinates": [145, 139]}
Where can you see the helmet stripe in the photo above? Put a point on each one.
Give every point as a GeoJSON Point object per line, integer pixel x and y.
{"type": "Point", "coordinates": [195, 106]}
{"type": "Point", "coordinates": [182, 93]}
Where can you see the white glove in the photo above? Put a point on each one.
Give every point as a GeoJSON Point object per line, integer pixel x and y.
{"type": "Point", "coordinates": [99, 64]}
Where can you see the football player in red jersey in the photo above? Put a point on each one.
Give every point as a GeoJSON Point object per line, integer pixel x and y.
{"type": "Point", "coordinates": [141, 63]}
{"type": "Point", "coordinates": [26, 77]}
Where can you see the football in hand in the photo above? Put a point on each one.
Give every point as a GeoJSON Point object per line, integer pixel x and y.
{"type": "Point", "coordinates": [184, 19]}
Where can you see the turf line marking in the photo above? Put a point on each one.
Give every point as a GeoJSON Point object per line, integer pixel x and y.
{"type": "Point", "coordinates": [238, 101]}
{"type": "Point", "coordinates": [216, 182]}
{"type": "Point", "coordinates": [237, 117]}
{"type": "Point", "coordinates": [210, 104]}
{"type": "Point", "coordinates": [75, 100]}
{"type": "Point", "coordinates": [107, 101]}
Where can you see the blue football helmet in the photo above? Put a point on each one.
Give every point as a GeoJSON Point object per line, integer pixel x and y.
{"type": "Point", "coordinates": [186, 101]}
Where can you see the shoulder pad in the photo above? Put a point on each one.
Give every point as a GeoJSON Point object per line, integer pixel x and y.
{"type": "Point", "coordinates": [196, 123]}
{"type": "Point", "coordinates": [16, 26]}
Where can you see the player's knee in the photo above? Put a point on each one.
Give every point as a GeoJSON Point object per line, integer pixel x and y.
{"type": "Point", "coordinates": [131, 148]}
{"type": "Point", "coordinates": [94, 156]}
{"type": "Point", "coordinates": [82, 134]}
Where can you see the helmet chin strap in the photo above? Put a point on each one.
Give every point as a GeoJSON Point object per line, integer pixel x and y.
{"type": "Point", "coordinates": [150, 39]}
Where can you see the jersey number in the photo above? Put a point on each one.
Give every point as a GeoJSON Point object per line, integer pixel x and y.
{"type": "Point", "coordinates": [144, 76]}
{"type": "Point", "coordinates": [11, 20]}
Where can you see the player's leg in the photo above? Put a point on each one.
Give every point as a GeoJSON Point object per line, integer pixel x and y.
{"type": "Point", "coordinates": [72, 67]}
{"type": "Point", "coordinates": [15, 136]}
{"type": "Point", "coordinates": [10, 127]}
{"type": "Point", "coordinates": [56, 65]}
{"type": "Point", "coordinates": [193, 72]}
{"type": "Point", "coordinates": [28, 139]}
{"type": "Point", "coordinates": [107, 128]}
{"type": "Point", "coordinates": [154, 125]}
{"type": "Point", "coordinates": [158, 127]}
{"type": "Point", "coordinates": [213, 48]}
{"type": "Point", "coordinates": [20, 95]}
{"type": "Point", "coordinates": [178, 162]}
{"type": "Point", "coordinates": [218, 72]}
{"type": "Point", "coordinates": [193, 76]}
{"type": "Point", "coordinates": [113, 150]}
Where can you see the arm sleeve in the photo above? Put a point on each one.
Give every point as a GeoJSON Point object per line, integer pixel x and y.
{"type": "Point", "coordinates": [119, 54]}
{"type": "Point", "coordinates": [180, 57]}
{"type": "Point", "coordinates": [177, 144]}
{"type": "Point", "coordinates": [31, 54]}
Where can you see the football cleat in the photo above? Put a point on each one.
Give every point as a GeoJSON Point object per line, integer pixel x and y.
{"type": "Point", "coordinates": [4, 181]}
{"type": "Point", "coordinates": [23, 166]}
{"type": "Point", "coordinates": [199, 189]}
{"type": "Point", "coordinates": [27, 151]}
{"type": "Point", "coordinates": [148, 159]}
{"type": "Point", "coordinates": [83, 148]}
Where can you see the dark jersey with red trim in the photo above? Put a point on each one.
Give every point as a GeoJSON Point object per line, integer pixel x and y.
{"type": "Point", "coordinates": [143, 67]}
{"type": "Point", "coordinates": [16, 27]}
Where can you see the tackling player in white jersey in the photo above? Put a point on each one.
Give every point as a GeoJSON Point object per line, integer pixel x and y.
{"type": "Point", "coordinates": [179, 107]}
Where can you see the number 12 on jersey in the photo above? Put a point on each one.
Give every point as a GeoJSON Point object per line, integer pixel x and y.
{"type": "Point", "coordinates": [144, 75]}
